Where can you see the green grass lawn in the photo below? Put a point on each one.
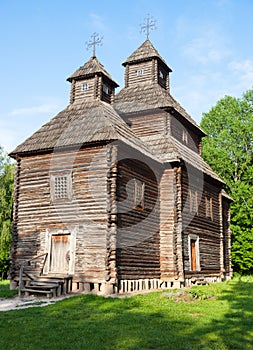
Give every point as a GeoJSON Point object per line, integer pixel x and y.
{"type": "Point", "coordinates": [220, 318]}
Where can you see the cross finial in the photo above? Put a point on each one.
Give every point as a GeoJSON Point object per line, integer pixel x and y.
{"type": "Point", "coordinates": [95, 40]}
{"type": "Point", "coordinates": [149, 24]}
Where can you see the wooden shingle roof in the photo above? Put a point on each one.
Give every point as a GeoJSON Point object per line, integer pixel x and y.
{"type": "Point", "coordinates": [146, 96]}
{"type": "Point", "coordinates": [145, 52]}
{"type": "Point", "coordinates": [170, 149]}
{"type": "Point", "coordinates": [80, 124]}
{"type": "Point", "coordinates": [93, 66]}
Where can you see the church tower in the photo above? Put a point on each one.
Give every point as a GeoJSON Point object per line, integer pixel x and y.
{"type": "Point", "coordinates": [146, 66]}
{"type": "Point", "coordinates": [92, 82]}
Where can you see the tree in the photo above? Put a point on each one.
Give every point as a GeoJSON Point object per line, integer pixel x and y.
{"type": "Point", "coordinates": [229, 151]}
{"type": "Point", "coordinates": [6, 204]}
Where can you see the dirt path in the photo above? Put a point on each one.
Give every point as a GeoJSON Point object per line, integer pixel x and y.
{"type": "Point", "coordinates": [17, 303]}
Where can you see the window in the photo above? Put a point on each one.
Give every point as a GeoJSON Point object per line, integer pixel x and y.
{"type": "Point", "coordinates": [194, 201]}
{"type": "Point", "coordinates": [85, 87]}
{"type": "Point", "coordinates": [61, 186]}
{"type": "Point", "coordinates": [139, 72]}
{"type": "Point", "coordinates": [161, 74]}
{"type": "Point", "coordinates": [185, 136]}
{"type": "Point", "coordinates": [105, 89]}
{"type": "Point", "coordinates": [139, 190]}
{"type": "Point", "coordinates": [209, 208]}
{"type": "Point", "coordinates": [194, 258]}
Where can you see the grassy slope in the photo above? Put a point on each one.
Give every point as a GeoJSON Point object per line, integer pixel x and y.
{"type": "Point", "coordinates": [149, 321]}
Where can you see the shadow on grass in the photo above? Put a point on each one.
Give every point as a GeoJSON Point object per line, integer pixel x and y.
{"type": "Point", "coordinates": [146, 322]}
{"type": "Point", "coordinates": [90, 322]}
{"type": "Point", "coordinates": [234, 330]}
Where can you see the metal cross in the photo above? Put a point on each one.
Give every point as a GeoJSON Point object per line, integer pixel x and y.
{"type": "Point", "coordinates": [149, 24]}
{"type": "Point", "coordinates": [95, 40]}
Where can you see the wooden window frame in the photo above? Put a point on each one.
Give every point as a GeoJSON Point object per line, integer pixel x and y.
{"type": "Point", "coordinates": [194, 208]}
{"type": "Point", "coordinates": [106, 89]}
{"type": "Point", "coordinates": [85, 87]}
{"type": "Point", "coordinates": [53, 183]}
{"type": "Point", "coordinates": [139, 195]}
{"type": "Point", "coordinates": [139, 72]}
{"type": "Point", "coordinates": [194, 238]}
{"type": "Point", "coordinates": [185, 136]}
{"type": "Point", "coordinates": [161, 74]}
{"type": "Point", "coordinates": [209, 207]}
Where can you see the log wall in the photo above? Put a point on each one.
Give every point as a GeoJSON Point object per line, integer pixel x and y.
{"type": "Point", "coordinates": [138, 229]}
{"type": "Point", "coordinates": [170, 205]}
{"type": "Point", "coordinates": [80, 95]}
{"type": "Point", "coordinates": [86, 212]}
{"type": "Point", "coordinates": [196, 222]}
{"type": "Point", "coordinates": [150, 124]}
{"type": "Point", "coordinates": [147, 73]}
{"type": "Point", "coordinates": [183, 134]}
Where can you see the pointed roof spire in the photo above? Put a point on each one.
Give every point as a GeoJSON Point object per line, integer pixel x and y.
{"type": "Point", "coordinates": [90, 68]}
{"type": "Point", "coordinates": [144, 53]}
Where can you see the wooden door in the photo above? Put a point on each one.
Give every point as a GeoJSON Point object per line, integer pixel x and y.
{"type": "Point", "coordinates": [60, 254]}
{"type": "Point", "coordinates": [193, 255]}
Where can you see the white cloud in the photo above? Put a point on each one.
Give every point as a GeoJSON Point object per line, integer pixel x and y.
{"type": "Point", "coordinates": [97, 22]}
{"type": "Point", "coordinates": [242, 71]}
{"type": "Point", "coordinates": [44, 108]}
{"type": "Point", "coordinates": [8, 138]}
{"type": "Point", "coordinates": [222, 3]}
{"type": "Point", "coordinates": [197, 95]}
{"type": "Point", "coordinates": [207, 48]}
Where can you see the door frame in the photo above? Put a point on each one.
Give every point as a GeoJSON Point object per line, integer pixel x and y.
{"type": "Point", "coordinates": [194, 238]}
{"type": "Point", "coordinates": [72, 232]}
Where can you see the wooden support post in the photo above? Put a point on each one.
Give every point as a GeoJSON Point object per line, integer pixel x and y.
{"type": "Point", "coordinates": [20, 286]}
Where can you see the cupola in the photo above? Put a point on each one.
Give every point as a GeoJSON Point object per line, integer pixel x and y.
{"type": "Point", "coordinates": [91, 82]}
{"type": "Point", "coordinates": [145, 65]}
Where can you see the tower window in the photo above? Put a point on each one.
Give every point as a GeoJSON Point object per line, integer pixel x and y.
{"type": "Point", "coordinates": [161, 74]}
{"type": "Point", "coordinates": [105, 89]}
{"type": "Point", "coordinates": [85, 87]}
{"type": "Point", "coordinates": [139, 72]}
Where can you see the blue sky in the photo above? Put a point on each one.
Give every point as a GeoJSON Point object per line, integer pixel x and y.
{"type": "Point", "coordinates": [207, 43]}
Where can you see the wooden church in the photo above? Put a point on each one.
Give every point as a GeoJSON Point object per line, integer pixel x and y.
{"type": "Point", "coordinates": [112, 195]}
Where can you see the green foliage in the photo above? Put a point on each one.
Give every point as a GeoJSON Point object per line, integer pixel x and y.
{"type": "Point", "coordinates": [6, 204]}
{"type": "Point", "coordinates": [229, 151]}
{"type": "Point", "coordinates": [141, 322]}
{"type": "Point", "coordinates": [5, 291]}
{"type": "Point", "coordinates": [200, 293]}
